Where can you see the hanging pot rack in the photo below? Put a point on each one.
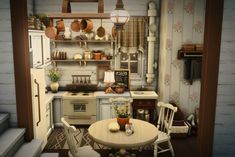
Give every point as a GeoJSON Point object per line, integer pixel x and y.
{"type": "Point", "coordinates": [67, 14]}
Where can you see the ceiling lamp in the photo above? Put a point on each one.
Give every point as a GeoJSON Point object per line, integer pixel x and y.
{"type": "Point", "coordinates": [119, 16]}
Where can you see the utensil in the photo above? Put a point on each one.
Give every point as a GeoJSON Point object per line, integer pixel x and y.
{"type": "Point", "coordinates": [75, 26]}
{"type": "Point", "coordinates": [60, 25]}
{"type": "Point", "coordinates": [101, 31]}
{"type": "Point", "coordinates": [86, 25]}
{"type": "Point", "coordinates": [51, 31]}
{"type": "Point", "coordinates": [114, 32]}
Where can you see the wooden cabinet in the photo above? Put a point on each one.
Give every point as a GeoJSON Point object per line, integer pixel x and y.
{"type": "Point", "coordinates": [145, 109]}
{"type": "Point", "coordinates": [39, 48]}
{"type": "Point", "coordinates": [104, 106]}
{"type": "Point", "coordinates": [105, 109]}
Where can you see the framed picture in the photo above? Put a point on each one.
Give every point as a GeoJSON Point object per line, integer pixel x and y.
{"type": "Point", "coordinates": [122, 76]}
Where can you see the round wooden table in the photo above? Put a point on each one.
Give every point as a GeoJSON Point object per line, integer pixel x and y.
{"type": "Point", "coordinates": [144, 133]}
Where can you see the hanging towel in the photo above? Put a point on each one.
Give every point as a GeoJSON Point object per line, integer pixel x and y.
{"type": "Point", "coordinates": [192, 69]}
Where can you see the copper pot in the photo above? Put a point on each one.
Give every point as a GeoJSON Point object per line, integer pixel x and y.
{"type": "Point", "coordinates": [60, 25]}
{"type": "Point", "coordinates": [75, 26]}
{"type": "Point", "coordinates": [97, 55]}
{"type": "Point", "coordinates": [86, 25]}
{"type": "Point", "coordinates": [51, 31]}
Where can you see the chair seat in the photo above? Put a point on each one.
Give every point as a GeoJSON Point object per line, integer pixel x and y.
{"type": "Point", "coordinates": [162, 137]}
{"type": "Point", "coordinates": [87, 151]}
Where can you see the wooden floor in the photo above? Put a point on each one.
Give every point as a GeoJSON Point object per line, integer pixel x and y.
{"type": "Point", "coordinates": [184, 147]}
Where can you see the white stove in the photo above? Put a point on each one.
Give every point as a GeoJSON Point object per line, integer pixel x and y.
{"type": "Point", "coordinates": [78, 95]}
{"type": "Point", "coordinates": [79, 108]}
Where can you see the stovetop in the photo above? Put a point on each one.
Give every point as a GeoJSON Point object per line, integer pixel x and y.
{"type": "Point", "coordinates": [78, 95]}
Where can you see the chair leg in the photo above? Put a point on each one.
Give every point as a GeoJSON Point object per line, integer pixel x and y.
{"type": "Point", "coordinates": [171, 148]}
{"type": "Point", "coordinates": [155, 150]}
{"type": "Point", "coordinates": [140, 149]}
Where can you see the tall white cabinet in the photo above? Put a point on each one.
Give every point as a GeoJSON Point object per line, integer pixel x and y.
{"type": "Point", "coordinates": [39, 48]}
{"type": "Point", "coordinates": [38, 104]}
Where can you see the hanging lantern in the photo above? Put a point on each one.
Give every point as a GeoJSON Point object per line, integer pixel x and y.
{"type": "Point", "coordinates": [119, 16]}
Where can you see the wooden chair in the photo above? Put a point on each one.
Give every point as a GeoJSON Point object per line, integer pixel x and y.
{"type": "Point", "coordinates": [74, 150]}
{"type": "Point", "coordinates": [122, 101]}
{"type": "Point", "coordinates": [165, 120]}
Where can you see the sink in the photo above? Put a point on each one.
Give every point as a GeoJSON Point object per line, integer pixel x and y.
{"type": "Point", "coordinates": [141, 93]}
{"type": "Point", "coordinates": [144, 95]}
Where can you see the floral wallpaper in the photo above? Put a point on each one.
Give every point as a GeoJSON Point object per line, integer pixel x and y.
{"type": "Point", "coordinates": [182, 21]}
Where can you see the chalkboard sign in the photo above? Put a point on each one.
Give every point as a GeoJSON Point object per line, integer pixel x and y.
{"type": "Point", "coordinates": [122, 76]}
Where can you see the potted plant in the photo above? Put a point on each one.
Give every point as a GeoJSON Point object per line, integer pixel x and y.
{"type": "Point", "coordinates": [123, 115]}
{"type": "Point", "coordinates": [119, 88]}
{"type": "Point", "coordinates": [54, 75]}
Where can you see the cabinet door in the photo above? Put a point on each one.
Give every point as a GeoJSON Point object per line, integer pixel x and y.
{"type": "Point", "coordinates": [46, 50]}
{"type": "Point", "coordinates": [39, 108]}
{"type": "Point", "coordinates": [105, 111]}
{"type": "Point", "coordinates": [36, 49]}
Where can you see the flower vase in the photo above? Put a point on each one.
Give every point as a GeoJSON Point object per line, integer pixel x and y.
{"type": "Point", "coordinates": [122, 122]}
{"type": "Point", "coordinates": [54, 87]}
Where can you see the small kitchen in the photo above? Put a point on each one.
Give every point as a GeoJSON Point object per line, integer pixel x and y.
{"type": "Point", "coordinates": [85, 55]}
{"type": "Point", "coordinates": [83, 67]}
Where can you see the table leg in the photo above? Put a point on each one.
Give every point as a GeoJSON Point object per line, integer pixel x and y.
{"type": "Point", "coordinates": [122, 153]}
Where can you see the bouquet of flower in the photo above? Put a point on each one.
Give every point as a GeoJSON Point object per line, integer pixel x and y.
{"type": "Point", "coordinates": [54, 74]}
{"type": "Point", "coordinates": [122, 111]}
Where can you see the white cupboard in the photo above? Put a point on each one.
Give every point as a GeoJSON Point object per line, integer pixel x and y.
{"type": "Point", "coordinates": [106, 111]}
{"type": "Point", "coordinates": [39, 48]}
{"type": "Point", "coordinates": [38, 104]}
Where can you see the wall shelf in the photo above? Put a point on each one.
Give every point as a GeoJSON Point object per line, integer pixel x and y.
{"type": "Point", "coordinates": [189, 54]}
{"type": "Point", "coordinates": [79, 15]}
{"type": "Point", "coordinates": [75, 41]}
{"type": "Point", "coordinates": [73, 60]}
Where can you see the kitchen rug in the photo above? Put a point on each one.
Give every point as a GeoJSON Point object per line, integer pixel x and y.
{"type": "Point", "coordinates": [57, 140]}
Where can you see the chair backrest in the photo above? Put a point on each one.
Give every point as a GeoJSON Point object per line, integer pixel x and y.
{"type": "Point", "coordinates": [121, 102]}
{"type": "Point", "coordinates": [70, 131]}
{"type": "Point", "coordinates": [165, 117]}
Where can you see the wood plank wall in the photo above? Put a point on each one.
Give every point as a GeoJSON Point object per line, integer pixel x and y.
{"type": "Point", "coordinates": [7, 78]}
{"type": "Point", "coordinates": [224, 143]}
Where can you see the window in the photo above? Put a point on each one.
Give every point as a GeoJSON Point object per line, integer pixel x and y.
{"type": "Point", "coordinates": [134, 62]}
{"type": "Point", "coordinates": [131, 47]}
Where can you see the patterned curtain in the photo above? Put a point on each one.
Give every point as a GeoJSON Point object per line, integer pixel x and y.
{"type": "Point", "coordinates": [131, 38]}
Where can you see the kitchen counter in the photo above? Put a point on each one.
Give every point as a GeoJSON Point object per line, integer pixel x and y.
{"type": "Point", "coordinates": [144, 95]}
{"type": "Point", "coordinates": [101, 94]}
{"type": "Point", "coordinates": [50, 96]}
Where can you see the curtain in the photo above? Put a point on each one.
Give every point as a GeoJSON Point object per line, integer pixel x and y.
{"type": "Point", "coordinates": [132, 38]}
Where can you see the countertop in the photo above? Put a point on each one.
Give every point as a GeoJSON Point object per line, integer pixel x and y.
{"type": "Point", "coordinates": [144, 95]}
{"type": "Point", "coordinates": [101, 94]}
{"type": "Point", "coordinates": [50, 96]}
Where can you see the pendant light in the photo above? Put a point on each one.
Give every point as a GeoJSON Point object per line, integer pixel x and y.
{"type": "Point", "coordinates": [119, 16]}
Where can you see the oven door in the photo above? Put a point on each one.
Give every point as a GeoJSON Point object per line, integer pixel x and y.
{"type": "Point", "coordinates": [79, 109]}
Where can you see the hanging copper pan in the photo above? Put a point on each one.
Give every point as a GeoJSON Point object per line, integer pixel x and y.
{"type": "Point", "coordinates": [75, 26]}
{"type": "Point", "coordinates": [101, 31]}
{"type": "Point", "coordinates": [86, 25]}
{"type": "Point", "coordinates": [51, 31]}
